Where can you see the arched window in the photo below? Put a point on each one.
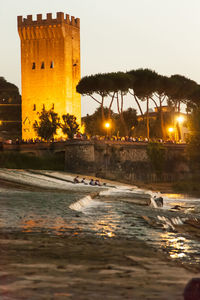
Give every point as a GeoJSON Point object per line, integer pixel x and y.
{"type": "Point", "coordinates": [33, 66]}
{"type": "Point", "coordinates": [42, 65]}
{"type": "Point", "coordinates": [52, 65]}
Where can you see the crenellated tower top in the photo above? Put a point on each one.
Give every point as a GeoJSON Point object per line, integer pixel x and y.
{"type": "Point", "coordinates": [61, 18]}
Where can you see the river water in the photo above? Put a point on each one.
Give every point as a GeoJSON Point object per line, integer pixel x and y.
{"type": "Point", "coordinates": [55, 206]}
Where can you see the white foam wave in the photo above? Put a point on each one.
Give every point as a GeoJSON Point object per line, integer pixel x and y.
{"type": "Point", "coordinates": [177, 221]}
{"type": "Point", "coordinates": [43, 179]}
{"type": "Point", "coordinates": [167, 223]}
{"type": "Point", "coordinates": [170, 223]}
{"type": "Point", "coordinates": [108, 192]}
{"type": "Point", "coordinates": [26, 177]}
{"type": "Point", "coordinates": [153, 203]}
{"type": "Point", "coordinates": [84, 204]}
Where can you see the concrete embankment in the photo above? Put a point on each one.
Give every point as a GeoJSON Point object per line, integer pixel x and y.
{"type": "Point", "coordinates": [125, 162]}
{"type": "Point", "coordinates": [121, 161]}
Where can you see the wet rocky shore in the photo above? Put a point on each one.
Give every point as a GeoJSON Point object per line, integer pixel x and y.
{"type": "Point", "coordinates": [38, 266]}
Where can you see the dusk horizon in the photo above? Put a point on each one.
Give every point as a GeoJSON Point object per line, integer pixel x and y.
{"type": "Point", "coordinates": [116, 37]}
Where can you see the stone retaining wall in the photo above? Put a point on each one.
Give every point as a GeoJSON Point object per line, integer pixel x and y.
{"type": "Point", "coordinates": [126, 162]}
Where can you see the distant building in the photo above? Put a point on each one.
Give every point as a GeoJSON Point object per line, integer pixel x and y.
{"type": "Point", "coordinates": [154, 112]}
{"type": "Point", "coordinates": [171, 119]}
{"type": "Point", "coordinates": [50, 67]}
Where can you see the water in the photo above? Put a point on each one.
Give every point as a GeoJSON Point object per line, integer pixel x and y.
{"type": "Point", "coordinates": [68, 209]}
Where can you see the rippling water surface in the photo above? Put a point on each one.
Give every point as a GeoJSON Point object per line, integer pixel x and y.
{"type": "Point", "coordinates": [109, 215]}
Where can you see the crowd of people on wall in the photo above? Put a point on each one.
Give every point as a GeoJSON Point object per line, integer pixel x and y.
{"type": "Point", "coordinates": [93, 138]}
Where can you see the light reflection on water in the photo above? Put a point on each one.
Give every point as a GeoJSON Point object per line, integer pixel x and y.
{"type": "Point", "coordinates": [104, 227]}
{"type": "Point", "coordinates": [57, 225]}
{"type": "Point", "coordinates": [175, 196]}
{"type": "Point", "coordinates": [180, 199]}
{"type": "Point", "coordinates": [32, 212]}
{"type": "Point", "coordinates": [176, 246]}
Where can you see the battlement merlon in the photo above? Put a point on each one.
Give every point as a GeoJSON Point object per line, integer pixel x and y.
{"type": "Point", "coordinates": [61, 18]}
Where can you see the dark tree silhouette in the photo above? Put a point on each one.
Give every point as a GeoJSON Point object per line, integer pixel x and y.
{"type": "Point", "coordinates": [47, 125]}
{"type": "Point", "coordinates": [143, 86]}
{"type": "Point", "coordinates": [93, 123]}
{"type": "Point", "coordinates": [162, 90]}
{"type": "Point", "coordinates": [180, 90]}
{"type": "Point", "coordinates": [69, 126]}
{"type": "Point", "coordinates": [94, 85]}
{"type": "Point", "coordinates": [94, 126]}
{"type": "Point", "coordinates": [10, 110]}
{"type": "Point", "coordinates": [194, 99]}
{"type": "Point", "coordinates": [130, 119]}
{"type": "Point", "coordinates": [120, 83]}
{"type": "Point", "coordinates": [9, 93]}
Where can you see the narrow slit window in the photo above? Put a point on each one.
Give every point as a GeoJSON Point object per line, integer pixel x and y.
{"type": "Point", "coordinates": [52, 65]}
{"type": "Point", "coordinates": [34, 107]}
{"type": "Point", "coordinates": [33, 66]}
{"type": "Point", "coordinates": [42, 65]}
{"type": "Point", "coordinates": [53, 106]}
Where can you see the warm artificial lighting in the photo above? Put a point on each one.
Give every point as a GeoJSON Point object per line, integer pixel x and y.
{"type": "Point", "coordinates": [170, 129]}
{"type": "Point", "coordinates": [55, 78]}
{"type": "Point", "coordinates": [180, 119]}
{"type": "Point", "coordinates": [107, 125]}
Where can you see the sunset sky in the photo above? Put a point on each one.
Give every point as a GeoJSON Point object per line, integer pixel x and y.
{"type": "Point", "coordinates": [116, 35]}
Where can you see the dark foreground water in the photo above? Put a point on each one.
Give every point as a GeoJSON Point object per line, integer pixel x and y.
{"type": "Point", "coordinates": [54, 223]}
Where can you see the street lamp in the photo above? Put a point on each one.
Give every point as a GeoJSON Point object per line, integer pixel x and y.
{"type": "Point", "coordinates": [180, 119]}
{"type": "Point", "coordinates": [179, 122]}
{"type": "Point", "coordinates": [171, 131]}
{"type": "Point", "coordinates": [107, 126]}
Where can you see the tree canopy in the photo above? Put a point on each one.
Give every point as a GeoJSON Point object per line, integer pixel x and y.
{"type": "Point", "coordinates": [144, 85]}
{"type": "Point", "coordinates": [9, 93]}
{"type": "Point", "coordinates": [10, 110]}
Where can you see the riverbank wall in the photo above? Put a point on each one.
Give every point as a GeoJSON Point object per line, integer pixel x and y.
{"type": "Point", "coordinates": [121, 161]}
{"type": "Point", "coordinates": [125, 162]}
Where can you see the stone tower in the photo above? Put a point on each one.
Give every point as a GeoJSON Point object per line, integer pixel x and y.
{"type": "Point", "coordinates": [50, 67]}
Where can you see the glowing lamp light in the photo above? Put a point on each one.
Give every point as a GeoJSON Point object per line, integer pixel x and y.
{"type": "Point", "coordinates": [107, 125]}
{"type": "Point", "coordinates": [180, 119]}
{"type": "Point", "coordinates": [171, 129]}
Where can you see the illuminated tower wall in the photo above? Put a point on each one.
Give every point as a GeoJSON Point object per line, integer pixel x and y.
{"type": "Point", "coordinates": [50, 67]}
